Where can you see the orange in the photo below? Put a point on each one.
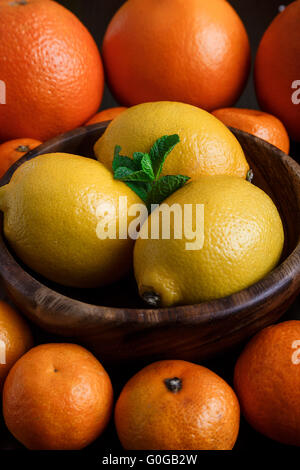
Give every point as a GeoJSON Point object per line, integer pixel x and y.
{"type": "Point", "coordinates": [12, 150]}
{"type": "Point", "coordinates": [15, 339]}
{"type": "Point", "coordinates": [51, 67]}
{"type": "Point", "coordinates": [192, 51]}
{"type": "Point", "coordinates": [177, 405]}
{"type": "Point", "coordinates": [267, 382]}
{"type": "Point", "coordinates": [277, 69]}
{"type": "Point", "coordinates": [57, 397]}
{"type": "Point", "coordinates": [106, 115]}
{"type": "Point", "coordinates": [258, 123]}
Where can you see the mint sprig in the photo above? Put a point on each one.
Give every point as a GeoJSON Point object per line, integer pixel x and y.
{"type": "Point", "coordinates": [142, 172]}
{"type": "Point", "coordinates": [165, 186]}
{"type": "Point", "coordinates": [160, 150]}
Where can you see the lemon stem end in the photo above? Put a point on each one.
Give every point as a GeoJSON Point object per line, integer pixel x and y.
{"type": "Point", "coordinates": [151, 298]}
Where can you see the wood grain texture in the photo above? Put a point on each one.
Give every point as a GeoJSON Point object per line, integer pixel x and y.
{"type": "Point", "coordinates": [118, 328]}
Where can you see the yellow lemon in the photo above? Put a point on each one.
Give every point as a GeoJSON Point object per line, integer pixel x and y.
{"type": "Point", "coordinates": [56, 207]}
{"type": "Point", "coordinates": [239, 240]}
{"type": "Point", "coordinates": [206, 147]}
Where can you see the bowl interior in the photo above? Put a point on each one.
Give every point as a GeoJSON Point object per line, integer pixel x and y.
{"type": "Point", "coordinates": [274, 172]}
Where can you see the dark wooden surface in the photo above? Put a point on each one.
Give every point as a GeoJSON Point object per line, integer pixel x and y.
{"type": "Point", "coordinates": [256, 15]}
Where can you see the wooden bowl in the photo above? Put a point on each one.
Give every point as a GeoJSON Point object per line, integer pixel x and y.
{"type": "Point", "coordinates": [114, 323]}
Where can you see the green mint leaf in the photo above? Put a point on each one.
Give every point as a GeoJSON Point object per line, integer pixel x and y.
{"type": "Point", "coordinates": [122, 161]}
{"type": "Point", "coordinates": [146, 165]}
{"type": "Point", "coordinates": [122, 172]}
{"type": "Point", "coordinates": [164, 187]}
{"type": "Point", "coordinates": [137, 158]}
{"type": "Point", "coordinates": [160, 150]}
{"type": "Point", "coordinates": [125, 174]}
{"type": "Point", "coordinates": [141, 173]}
{"type": "Point", "coordinates": [140, 189]}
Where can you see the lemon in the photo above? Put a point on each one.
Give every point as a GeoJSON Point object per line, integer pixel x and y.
{"type": "Point", "coordinates": [51, 219]}
{"type": "Point", "coordinates": [243, 241]}
{"type": "Point", "coordinates": [206, 147]}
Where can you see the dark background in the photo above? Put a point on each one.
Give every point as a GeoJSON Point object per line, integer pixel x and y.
{"type": "Point", "coordinates": [256, 15]}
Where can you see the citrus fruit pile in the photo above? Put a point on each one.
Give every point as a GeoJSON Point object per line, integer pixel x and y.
{"type": "Point", "coordinates": [64, 214]}
{"type": "Point", "coordinates": [169, 195]}
{"type": "Point", "coordinates": [58, 396]}
{"type": "Point", "coordinates": [190, 51]}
